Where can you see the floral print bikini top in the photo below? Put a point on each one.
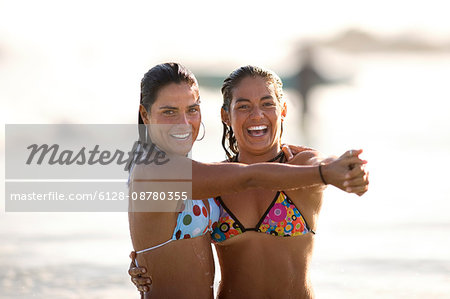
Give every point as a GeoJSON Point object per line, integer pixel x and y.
{"type": "Point", "coordinates": [282, 218]}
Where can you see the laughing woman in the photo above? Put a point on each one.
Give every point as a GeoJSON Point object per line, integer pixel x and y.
{"type": "Point", "coordinates": [268, 238]}
{"type": "Point", "coordinates": [175, 246]}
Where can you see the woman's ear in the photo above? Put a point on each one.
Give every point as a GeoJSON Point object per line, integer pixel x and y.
{"type": "Point", "coordinates": [225, 117]}
{"type": "Point", "coordinates": [283, 110]}
{"type": "Point", "coordinates": [144, 114]}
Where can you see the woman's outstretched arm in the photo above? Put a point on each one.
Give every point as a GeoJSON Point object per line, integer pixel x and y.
{"type": "Point", "coordinates": [214, 179]}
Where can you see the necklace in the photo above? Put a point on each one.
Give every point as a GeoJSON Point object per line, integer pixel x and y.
{"type": "Point", "coordinates": [280, 155]}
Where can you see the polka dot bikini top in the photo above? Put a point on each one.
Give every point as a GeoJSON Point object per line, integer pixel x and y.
{"type": "Point", "coordinates": [195, 220]}
{"type": "Point", "coordinates": [282, 218]}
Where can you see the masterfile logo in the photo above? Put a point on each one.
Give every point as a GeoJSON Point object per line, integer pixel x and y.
{"type": "Point", "coordinates": [89, 168]}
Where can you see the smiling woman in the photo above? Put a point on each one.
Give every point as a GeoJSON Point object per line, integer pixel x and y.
{"type": "Point", "coordinates": [174, 119]}
{"type": "Point", "coordinates": [259, 113]}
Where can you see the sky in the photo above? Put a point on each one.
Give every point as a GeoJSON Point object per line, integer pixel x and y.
{"type": "Point", "coordinates": [56, 57]}
{"type": "Point", "coordinates": [204, 29]}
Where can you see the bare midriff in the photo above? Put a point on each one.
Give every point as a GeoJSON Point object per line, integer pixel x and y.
{"type": "Point", "coordinates": [259, 265]}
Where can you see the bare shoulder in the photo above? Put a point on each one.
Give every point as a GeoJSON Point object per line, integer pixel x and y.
{"type": "Point", "coordinates": [308, 156]}
{"type": "Point", "coordinates": [143, 171]}
{"type": "Point", "coordinates": [173, 167]}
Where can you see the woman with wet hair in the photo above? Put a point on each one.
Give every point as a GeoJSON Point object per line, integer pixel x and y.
{"type": "Point", "coordinates": [264, 235]}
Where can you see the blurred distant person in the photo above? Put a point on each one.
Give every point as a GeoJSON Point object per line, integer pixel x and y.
{"type": "Point", "coordinates": [306, 79]}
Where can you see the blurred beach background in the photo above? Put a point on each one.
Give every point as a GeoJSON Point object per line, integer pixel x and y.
{"type": "Point", "coordinates": [81, 62]}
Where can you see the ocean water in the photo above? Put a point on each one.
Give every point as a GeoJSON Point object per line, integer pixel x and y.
{"type": "Point", "coordinates": [394, 242]}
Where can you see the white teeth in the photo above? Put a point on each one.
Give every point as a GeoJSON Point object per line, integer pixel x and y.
{"type": "Point", "coordinates": [257, 131]}
{"type": "Point", "coordinates": [263, 127]}
{"type": "Point", "coordinates": [181, 136]}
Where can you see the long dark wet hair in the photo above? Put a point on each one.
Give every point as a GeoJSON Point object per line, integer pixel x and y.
{"type": "Point", "coordinates": [229, 142]}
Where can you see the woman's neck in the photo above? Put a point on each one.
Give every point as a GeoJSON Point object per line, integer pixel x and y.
{"type": "Point", "coordinates": [251, 158]}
